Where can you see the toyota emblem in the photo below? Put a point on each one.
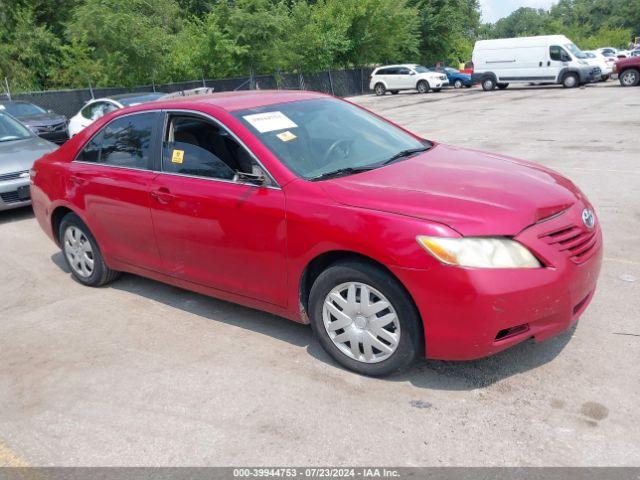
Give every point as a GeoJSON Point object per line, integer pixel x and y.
{"type": "Point", "coordinates": [588, 218]}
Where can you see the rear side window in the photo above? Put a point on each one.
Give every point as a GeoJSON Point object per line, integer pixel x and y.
{"type": "Point", "coordinates": [124, 142]}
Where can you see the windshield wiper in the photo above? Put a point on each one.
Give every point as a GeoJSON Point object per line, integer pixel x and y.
{"type": "Point", "coordinates": [404, 154]}
{"type": "Point", "coordinates": [341, 172]}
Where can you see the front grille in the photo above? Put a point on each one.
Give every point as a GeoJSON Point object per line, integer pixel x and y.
{"type": "Point", "coordinates": [52, 128]}
{"type": "Point", "coordinates": [577, 242]}
{"type": "Point", "coordinates": [12, 176]}
{"type": "Point", "coordinates": [10, 197]}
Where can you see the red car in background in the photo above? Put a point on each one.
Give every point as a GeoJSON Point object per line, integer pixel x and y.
{"type": "Point", "coordinates": [628, 70]}
{"type": "Point", "coordinates": [309, 207]}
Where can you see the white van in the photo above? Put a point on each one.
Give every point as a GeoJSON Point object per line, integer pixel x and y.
{"type": "Point", "coordinates": [543, 59]}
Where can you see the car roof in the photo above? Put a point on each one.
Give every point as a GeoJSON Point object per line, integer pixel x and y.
{"type": "Point", "coordinates": [238, 100]}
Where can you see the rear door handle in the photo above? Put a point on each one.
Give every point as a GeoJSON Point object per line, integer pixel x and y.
{"type": "Point", "coordinates": [162, 195]}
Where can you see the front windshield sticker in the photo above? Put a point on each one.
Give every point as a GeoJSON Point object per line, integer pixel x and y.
{"type": "Point", "coordinates": [286, 136]}
{"type": "Point", "coordinates": [269, 121]}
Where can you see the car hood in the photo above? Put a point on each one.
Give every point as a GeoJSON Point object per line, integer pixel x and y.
{"type": "Point", "coordinates": [44, 119]}
{"type": "Point", "coordinates": [473, 192]}
{"type": "Point", "coordinates": [19, 155]}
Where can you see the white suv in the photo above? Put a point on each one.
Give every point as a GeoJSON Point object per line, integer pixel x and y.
{"type": "Point", "coordinates": [394, 78]}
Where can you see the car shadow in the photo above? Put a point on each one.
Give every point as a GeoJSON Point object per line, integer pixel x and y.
{"type": "Point", "coordinates": [16, 214]}
{"type": "Point", "coordinates": [427, 374]}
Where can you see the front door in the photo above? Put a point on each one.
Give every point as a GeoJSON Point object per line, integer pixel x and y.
{"type": "Point", "coordinates": [212, 228]}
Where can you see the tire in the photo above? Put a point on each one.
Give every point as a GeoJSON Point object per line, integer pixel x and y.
{"type": "Point", "coordinates": [570, 80]}
{"type": "Point", "coordinates": [405, 329]}
{"type": "Point", "coordinates": [423, 86]}
{"type": "Point", "coordinates": [629, 78]}
{"type": "Point", "coordinates": [502, 86]}
{"type": "Point", "coordinates": [394, 92]}
{"type": "Point", "coordinates": [380, 89]}
{"type": "Point", "coordinates": [71, 227]}
{"type": "Point", "coordinates": [458, 84]}
{"type": "Point", "coordinates": [488, 84]}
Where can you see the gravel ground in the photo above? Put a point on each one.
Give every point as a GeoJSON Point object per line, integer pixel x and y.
{"type": "Point", "coordinates": [140, 373]}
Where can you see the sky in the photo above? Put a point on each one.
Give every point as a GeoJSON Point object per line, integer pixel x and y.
{"type": "Point", "coordinates": [493, 10]}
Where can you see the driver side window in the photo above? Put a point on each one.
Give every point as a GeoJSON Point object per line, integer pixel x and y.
{"type": "Point", "coordinates": [199, 147]}
{"type": "Point", "coordinates": [558, 54]}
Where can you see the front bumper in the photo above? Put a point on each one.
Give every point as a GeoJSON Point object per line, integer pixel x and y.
{"type": "Point", "coordinates": [12, 193]}
{"type": "Point", "coordinates": [473, 313]}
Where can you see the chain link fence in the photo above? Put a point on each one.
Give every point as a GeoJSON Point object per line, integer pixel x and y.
{"type": "Point", "coordinates": [341, 83]}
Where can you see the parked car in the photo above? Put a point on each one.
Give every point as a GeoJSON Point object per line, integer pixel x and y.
{"type": "Point", "coordinates": [542, 59]}
{"type": "Point", "coordinates": [456, 78]}
{"type": "Point", "coordinates": [628, 70]}
{"type": "Point", "coordinates": [608, 51]}
{"type": "Point", "coordinates": [19, 148]}
{"type": "Point", "coordinates": [394, 78]}
{"type": "Point", "coordinates": [45, 123]}
{"type": "Point", "coordinates": [312, 208]}
{"type": "Point", "coordinates": [95, 109]}
{"type": "Point", "coordinates": [605, 64]}
{"type": "Point", "coordinates": [635, 53]}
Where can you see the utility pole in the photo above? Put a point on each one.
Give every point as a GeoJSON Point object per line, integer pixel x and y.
{"type": "Point", "coordinates": [6, 84]}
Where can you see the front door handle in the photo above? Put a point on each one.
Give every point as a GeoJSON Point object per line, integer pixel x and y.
{"type": "Point", "coordinates": [162, 195]}
{"type": "Point", "coordinates": [549, 63]}
{"type": "Point", "coordinates": [77, 180]}
{"type": "Point", "coordinates": [540, 64]}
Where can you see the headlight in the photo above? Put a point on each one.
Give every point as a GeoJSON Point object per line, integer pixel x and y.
{"type": "Point", "coordinates": [481, 252]}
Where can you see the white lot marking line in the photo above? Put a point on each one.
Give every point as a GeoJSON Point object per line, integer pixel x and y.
{"type": "Point", "coordinates": [621, 260]}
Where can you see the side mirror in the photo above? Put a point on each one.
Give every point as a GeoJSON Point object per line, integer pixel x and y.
{"type": "Point", "coordinates": [255, 178]}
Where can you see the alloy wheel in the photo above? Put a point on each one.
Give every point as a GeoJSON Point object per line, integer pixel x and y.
{"type": "Point", "coordinates": [79, 252]}
{"type": "Point", "coordinates": [629, 78]}
{"type": "Point", "coordinates": [361, 322]}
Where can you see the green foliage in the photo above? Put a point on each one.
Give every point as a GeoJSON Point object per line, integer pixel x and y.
{"type": "Point", "coordinates": [589, 23]}
{"type": "Point", "coordinates": [67, 43]}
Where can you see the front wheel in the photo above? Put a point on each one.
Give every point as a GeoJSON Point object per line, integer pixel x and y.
{"type": "Point", "coordinates": [570, 80]}
{"type": "Point", "coordinates": [82, 254]}
{"type": "Point", "coordinates": [423, 86]}
{"type": "Point", "coordinates": [629, 78]}
{"type": "Point", "coordinates": [365, 319]}
{"type": "Point", "coordinates": [457, 84]}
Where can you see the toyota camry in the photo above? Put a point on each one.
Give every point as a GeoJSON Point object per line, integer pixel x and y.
{"type": "Point", "coordinates": [390, 245]}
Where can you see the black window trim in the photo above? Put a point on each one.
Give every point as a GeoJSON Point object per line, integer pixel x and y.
{"type": "Point", "coordinates": [154, 151]}
{"type": "Point", "coordinates": [196, 113]}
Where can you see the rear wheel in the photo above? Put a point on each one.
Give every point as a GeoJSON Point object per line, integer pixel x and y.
{"type": "Point", "coordinates": [82, 254]}
{"type": "Point", "coordinates": [502, 86]}
{"type": "Point", "coordinates": [488, 84]}
{"type": "Point", "coordinates": [570, 80]}
{"type": "Point", "coordinates": [364, 318]}
{"type": "Point", "coordinates": [629, 78]}
{"type": "Point", "coordinates": [423, 86]}
{"type": "Point", "coordinates": [380, 89]}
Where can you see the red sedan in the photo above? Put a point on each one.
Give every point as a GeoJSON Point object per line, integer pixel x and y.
{"type": "Point", "coordinates": [391, 246]}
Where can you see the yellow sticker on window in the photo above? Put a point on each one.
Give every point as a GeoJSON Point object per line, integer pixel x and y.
{"type": "Point", "coordinates": [177, 156]}
{"type": "Point", "coordinates": [286, 136]}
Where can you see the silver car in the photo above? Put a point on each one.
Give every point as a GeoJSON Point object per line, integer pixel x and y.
{"type": "Point", "coordinates": [19, 148]}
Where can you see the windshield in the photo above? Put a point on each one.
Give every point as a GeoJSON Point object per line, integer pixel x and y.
{"type": "Point", "coordinates": [317, 137]}
{"type": "Point", "coordinates": [421, 69]}
{"type": "Point", "coordinates": [575, 50]}
{"type": "Point", "coordinates": [22, 109]}
{"type": "Point", "coordinates": [11, 129]}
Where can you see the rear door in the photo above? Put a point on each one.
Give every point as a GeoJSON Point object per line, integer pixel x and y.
{"type": "Point", "coordinates": [392, 78]}
{"type": "Point", "coordinates": [211, 227]}
{"type": "Point", "coordinates": [110, 179]}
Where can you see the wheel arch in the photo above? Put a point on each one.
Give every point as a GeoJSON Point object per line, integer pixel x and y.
{"type": "Point", "coordinates": [324, 260]}
{"type": "Point", "coordinates": [57, 214]}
